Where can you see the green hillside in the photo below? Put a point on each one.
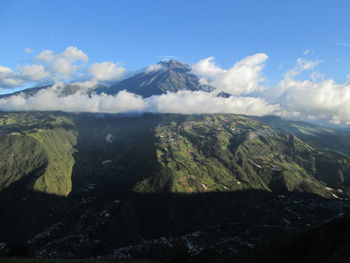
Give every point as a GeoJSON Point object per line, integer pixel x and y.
{"type": "Point", "coordinates": [156, 186]}
{"type": "Point", "coordinates": [231, 152]}
{"type": "Point", "coordinates": [37, 148]}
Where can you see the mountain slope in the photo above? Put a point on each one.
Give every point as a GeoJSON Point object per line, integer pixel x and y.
{"type": "Point", "coordinates": [168, 76]}
{"type": "Point", "coordinates": [40, 147]}
{"type": "Point", "coordinates": [82, 179]}
{"type": "Point", "coordinates": [321, 137]}
{"type": "Point", "coordinates": [232, 152]}
{"type": "Point", "coordinates": [61, 90]}
{"type": "Point", "coordinates": [27, 92]}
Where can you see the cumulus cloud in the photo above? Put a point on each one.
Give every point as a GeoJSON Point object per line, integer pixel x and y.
{"type": "Point", "coordinates": [312, 96]}
{"type": "Point", "coordinates": [70, 65]}
{"type": "Point", "coordinates": [8, 78]}
{"type": "Point", "coordinates": [73, 54]}
{"type": "Point", "coordinates": [5, 72]}
{"type": "Point", "coordinates": [62, 65]}
{"type": "Point", "coordinates": [70, 53]}
{"type": "Point", "coordinates": [33, 72]}
{"type": "Point", "coordinates": [323, 99]}
{"type": "Point", "coordinates": [106, 71]}
{"type": "Point", "coordinates": [243, 77]}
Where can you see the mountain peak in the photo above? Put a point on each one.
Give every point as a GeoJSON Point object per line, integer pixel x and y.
{"type": "Point", "coordinates": [173, 64]}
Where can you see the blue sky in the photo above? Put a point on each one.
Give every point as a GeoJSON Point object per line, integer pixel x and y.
{"type": "Point", "coordinates": [138, 33]}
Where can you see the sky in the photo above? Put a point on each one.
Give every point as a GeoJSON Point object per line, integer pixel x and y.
{"type": "Point", "coordinates": [138, 32]}
{"type": "Point", "coordinates": [104, 40]}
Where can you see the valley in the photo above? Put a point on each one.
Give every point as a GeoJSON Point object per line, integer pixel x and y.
{"type": "Point", "coordinates": [158, 186]}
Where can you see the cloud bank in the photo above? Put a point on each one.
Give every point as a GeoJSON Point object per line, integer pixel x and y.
{"type": "Point", "coordinates": [302, 92]}
{"type": "Point", "coordinates": [185, 102]}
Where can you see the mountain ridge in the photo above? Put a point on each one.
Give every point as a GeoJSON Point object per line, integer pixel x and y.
{"type": "Point", "coordinates": [167, 76]}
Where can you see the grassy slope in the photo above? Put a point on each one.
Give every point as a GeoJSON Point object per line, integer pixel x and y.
{"type": "Point", "coordinates": [198, 153]}
{"type": "Point", "coordinates": [40, 146]}
{"type": "Point", "coordinates": [232, 152]}
{"type": "Point", "coordinates": [150, 155]}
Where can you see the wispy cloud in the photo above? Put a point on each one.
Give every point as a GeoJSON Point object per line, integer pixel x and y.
{"type": "Point", "coordinates": [28, 50]}
{"type": "Point", "coordinates": [308, 51]}
{"type": "Point", "coordinates": [344, 44]}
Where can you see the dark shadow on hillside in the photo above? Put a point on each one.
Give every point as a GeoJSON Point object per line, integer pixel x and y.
{"type": "Point", "coordinates": [113, 153]}
{"type": "Point", "coordinates": [25, 212]}
{"type": "Point", "coordinates": [252, 214]}
{"type": "Point", "coordinates": [102, 213]}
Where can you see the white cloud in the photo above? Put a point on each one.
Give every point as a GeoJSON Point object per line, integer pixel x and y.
{"type": "Point", "coordinates": [68, 65]}
{"type": "Point", "coordinates": [33, 72]}
{"type": "Point", "coordinates": [50, 100]}
{"type": "Point", "coordinates": [106, 71]}
{"type": "Point", "coordinates": [303, 93]}
{"type": "Point", "coordinates": [8, 78]}
{"type": "Point", "coordinates": [322, 99]}
{"type": "Point", "coordinates": [28, 50]}
{"type": "Point", "coordinates": [301, 66]}
{"type": "Point", "coordinates": [185, 102]}
{"type": "Point", "coordinates": [314, 97]}
{"type": "Point", "coordinates": [305, 64]}
{"type": "Point", "coordinates": [196, 102]}
{"type": "Point", "coordinates": [74, 54]}
{"type": "Point", "coordinates": [206, 68]}
{"type": "Point", "coordinates": [11, 82]}
{"type": "Point", "coordinates": [86, 85]}
{"type": "Point", "coordinates": [154, 67]}
{"type": "Point", "coordinates": [62, 65]}
{"type": "Point", "coordinates": [308, 51]}
{"type": "Point", "coordinates": [45, 56]}
{"type": "Point", "coordinates": [243, 78]}
{"type": "Point", "coordinates": [344, 44]}
{"type": "Point", "coordinates": [5, 72]}
{"type": "Point", "coordinates": [62, 68]}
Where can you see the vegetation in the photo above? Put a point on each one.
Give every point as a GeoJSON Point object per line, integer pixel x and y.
{"type": "Point", "coordinates": [39, 146]}
{"type": "Point", "coordinates": [82, 185]}
{"type": "Point", "coordinates": [230, 152]}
